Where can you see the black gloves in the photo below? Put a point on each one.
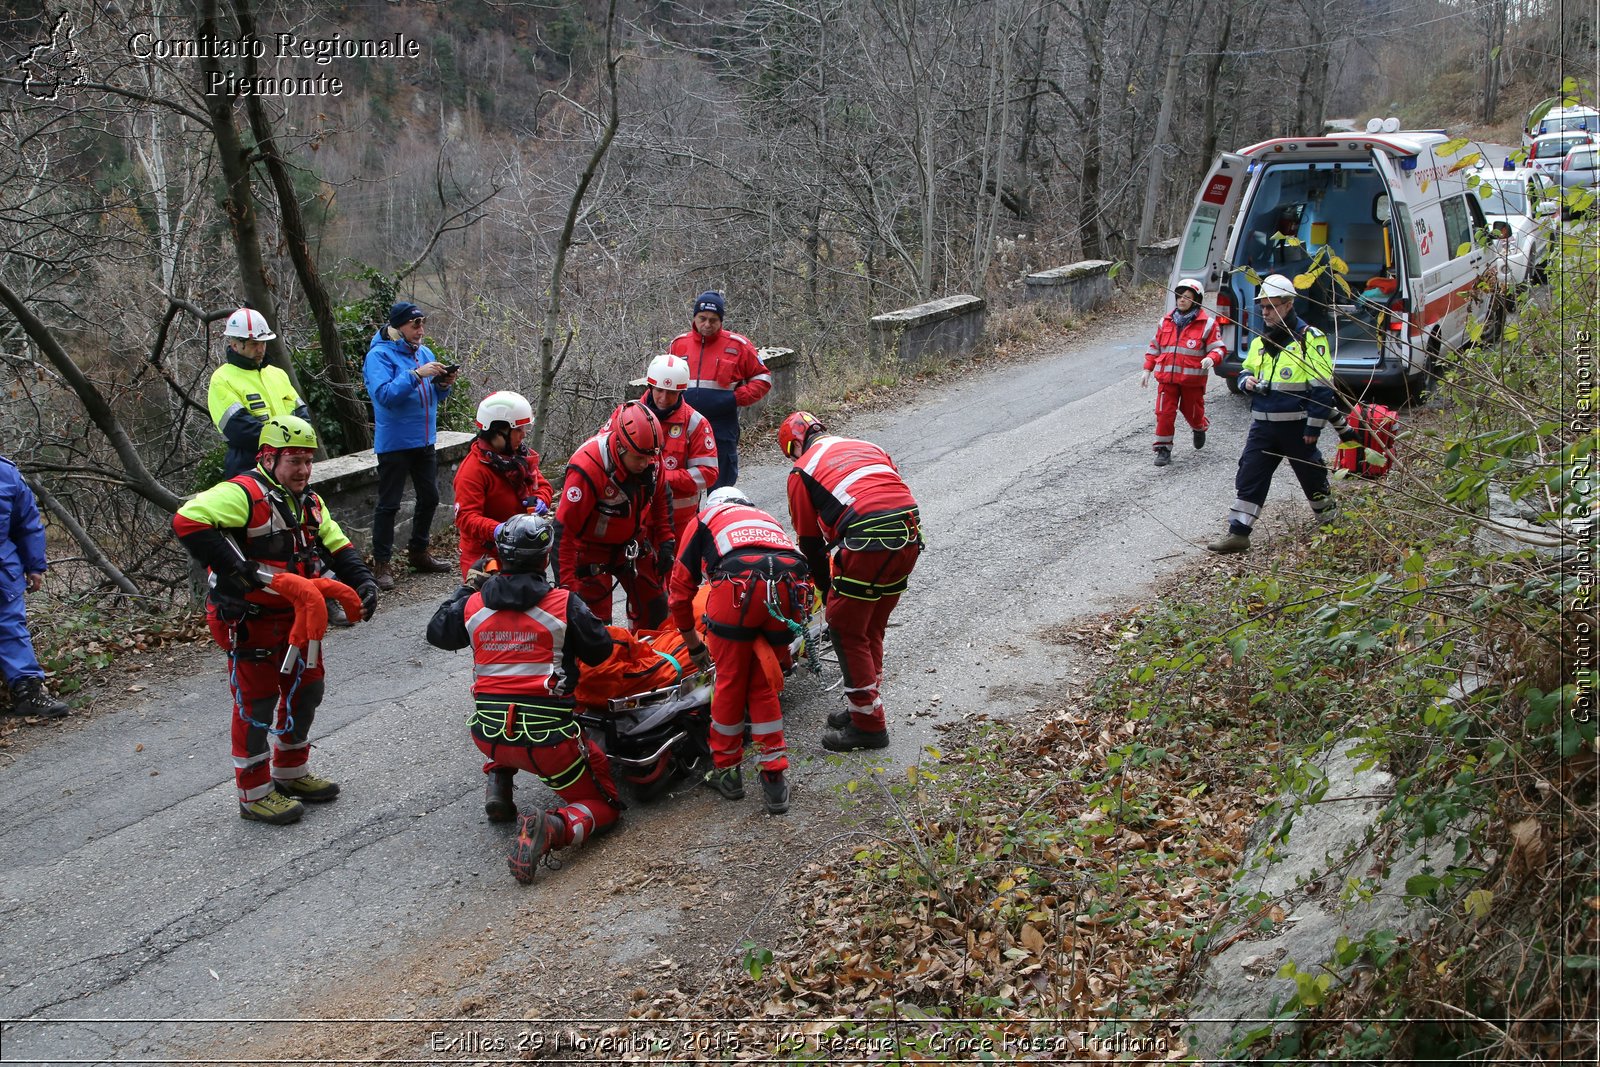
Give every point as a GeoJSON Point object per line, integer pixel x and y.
{"type": "Point", "coordinates": [664, 557]}
{"type": "Point", "coordinates": [369, 599]}
{"type": "Point", "coordinates": [698, 652]}
{"type": "Point", "coordinates": [248, 572]}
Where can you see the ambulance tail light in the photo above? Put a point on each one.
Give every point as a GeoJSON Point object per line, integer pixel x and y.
{"type": "Point", "coordinates": [1225, 307]}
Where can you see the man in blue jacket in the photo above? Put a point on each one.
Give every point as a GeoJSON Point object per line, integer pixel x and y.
{"type": "Point", "coordinates": [407, 385]}
{"type": "Point", "coordinates": [22, 567]}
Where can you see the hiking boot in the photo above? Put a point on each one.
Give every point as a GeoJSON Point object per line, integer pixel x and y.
{"type": "Point", "coordinates": [1163, 456]}
{"type": "Point", "coordinates": [849, 738]}
{"type": "Point", "coordinates": [308, 787]}
{"type": "Point", "coordinates": [1199, 439]}
{"type": "Point", "coordinates": [336, 615]}
{"type": "Point", "coordinates": [497, 802]}
{"type": "Point", "coordinates": [28, 697]}
{"type": "Point", "coordinates": [1230, 543]}
{"type": "Point", "coordinates": [383, 574]}
{"type": "Point", "coordinates": [774, 792]}
{"type": "Point", "coordinates": [535, 832]}
{"type": "Point", "coordinates": [421, 560]}
{"type": "Point", "coordinates": [1328, 514]}
{"type": "Point", "coordinates": [837, 719]}
{"type": "Point", "coordinates": [727, 781]}
{"type": "Point", "coordinates": [275, 808]}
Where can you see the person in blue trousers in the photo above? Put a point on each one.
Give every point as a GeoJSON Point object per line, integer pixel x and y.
{"type": "Point", "coordinates": [22, 567]}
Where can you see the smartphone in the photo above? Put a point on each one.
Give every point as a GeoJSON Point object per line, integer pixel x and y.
{"type": "Point", "coordinates": [450, 368]}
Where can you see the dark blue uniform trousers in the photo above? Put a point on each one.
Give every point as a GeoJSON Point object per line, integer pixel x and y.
{"type": "Point", "coordinates": [1268, 444]}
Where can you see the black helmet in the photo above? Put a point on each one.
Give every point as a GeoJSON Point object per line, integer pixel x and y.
{"type": "Point", "coordinates": [523, 543]}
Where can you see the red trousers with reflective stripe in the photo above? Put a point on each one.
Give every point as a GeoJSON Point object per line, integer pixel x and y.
{"type": "Point", "coordinates": [858, 627]}
{"type": "Point", "coordinates": [1170, 400]}
{"type": "Point", "coordinates": [288, 702]}
{"type": "Point", "coordinates": [743, 685]}
{"type": "Point", "coordinates": [588, 806]}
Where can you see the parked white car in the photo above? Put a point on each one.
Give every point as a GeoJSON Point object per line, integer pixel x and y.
{"type": "Point", "coordinates": [1547, 151]}
{"type": "Point", "coordinates": [1561, 120]}
{"type": "Point", "coordinates": [1520, 207]}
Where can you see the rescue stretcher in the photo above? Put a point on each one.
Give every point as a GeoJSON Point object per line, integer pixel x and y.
{"type": "Point", "coordinates": [660, 734]}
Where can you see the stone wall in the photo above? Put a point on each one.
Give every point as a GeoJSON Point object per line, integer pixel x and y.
{"type": "Point", "coordinates": [1078, 286]}
{"type": "Point", "coordinates": [1154, 265]}
{"type": "Point", "coordinates": [946, 328]}
{"type": "Point", "coordinates": [350, 486]}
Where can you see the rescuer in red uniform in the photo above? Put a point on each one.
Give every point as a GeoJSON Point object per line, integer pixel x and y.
{"type": "Point", "coordinates": [1187, 345]}
{"type": "Point", "coordinates": [725, 374]}
{"type": "Point", "coordinates": [528, 643]}
{"type": "Point", "coordinates": [499, 477]}
{"type": "Point", "coordinates": [848, 502]}
{"type": "Point", "coordinates": [689, 457]}
{"type": "Point", "coordinates": [760, 596]}
{"type": "Point", "coordinates": [613, 523]}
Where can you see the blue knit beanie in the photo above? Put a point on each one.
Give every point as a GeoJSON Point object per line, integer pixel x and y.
{"type": "Point", "coordinates": [709, 301]}
{"type": "Point", "coordinates": [404, 312]}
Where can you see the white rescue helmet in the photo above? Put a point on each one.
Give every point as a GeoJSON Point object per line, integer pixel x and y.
{"type": "Point", "coordinates": [1276, 285]}
{"type": "Point", "coordinates": [668, 372]}
{"type": "Point", "coordinates": [506, 407]}
{"type": "Point", "coordinates": [727, 494]}
{"type": "Point", "coordinates": [248, 324]}
{"type": "Point", "coordinates": [1192, 285]}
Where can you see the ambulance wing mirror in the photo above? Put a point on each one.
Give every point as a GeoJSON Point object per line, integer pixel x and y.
{"type": "Point", "coordinates": [1381, 209]}
{"type": "Point", "coordinates": [1501, 230]}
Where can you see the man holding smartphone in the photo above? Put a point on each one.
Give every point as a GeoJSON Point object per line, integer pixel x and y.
{"type": "Point", "coordinates": [407, 384]}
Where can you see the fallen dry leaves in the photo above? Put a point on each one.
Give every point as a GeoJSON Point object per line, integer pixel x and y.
{"type": "Point", "coordinates": [1019, 885]}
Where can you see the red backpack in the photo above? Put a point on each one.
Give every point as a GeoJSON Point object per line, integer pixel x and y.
{"type": "Point", "coordinates": [1375, 426]}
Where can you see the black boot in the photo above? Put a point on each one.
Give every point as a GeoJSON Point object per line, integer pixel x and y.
{"type": "Point", "coordinates": [497, 802]}
{"type": "Point", "coordinates": [774, 792]}
{"type": "Point", "coordinates": [837, 719]}
{"type": "Point", "coordinates": [850, 738]}
{"type": "Point", "coordinates": [28, 697]}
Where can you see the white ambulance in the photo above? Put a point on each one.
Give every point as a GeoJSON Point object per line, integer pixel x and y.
{"type": "Point", "coordinates": [1390, 209]}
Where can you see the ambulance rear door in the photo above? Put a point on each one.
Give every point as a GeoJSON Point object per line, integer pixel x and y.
{"type": "Point", "coordinates": [1205, 239]}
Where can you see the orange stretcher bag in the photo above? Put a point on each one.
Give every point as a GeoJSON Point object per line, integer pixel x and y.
{"type": "Point", "coordinates": [640, 661]}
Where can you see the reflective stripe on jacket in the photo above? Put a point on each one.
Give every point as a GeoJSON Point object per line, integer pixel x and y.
{"type": "Point", "coordinates": [1175, 354]}
{"type": "Point", "coordinates": [273, 528]}
{"type": "Point", "coordinates": [725, 374]}
{"type": "Point", "coordinates": [241, 397]}
{"type": "Point", "coordinates": [1299, 380]}
{"type": "Point", "coordinates": [518, 652]}
{"type": "Point", "coordinates": [688, 459]}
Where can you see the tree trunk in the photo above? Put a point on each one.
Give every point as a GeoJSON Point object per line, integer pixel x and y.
{"type": "Point", "coordinates": [137, 476]}
{"type": "Point", "coordinates": [1213, 81]}
{"type": "Point", "coordinates": [1089, 230]}
{"type": "Point", "coordinates": [549, 364]}
{"type": "Point", "coordinates": [350, 413]}
{"type": "Point", "coordinates": [234, 159]}
{"type": "Point", "coordinates": [1030, 124]}
{"type": "Point", "coordinates": [91, 548]}
{"type": "Point", "coordinates": [1152, 185]}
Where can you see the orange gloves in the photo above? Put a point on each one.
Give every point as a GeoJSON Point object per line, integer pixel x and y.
{"type": "Point", "coordinates": [349, 599]}
{"type": "Point", "coordinates": [310, 607]}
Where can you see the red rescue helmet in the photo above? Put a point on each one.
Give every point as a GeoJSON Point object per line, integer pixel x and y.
{"type": "Point", "coordinates": [794, 430]}
{"type": "Point", "coordinates": [635, 427]}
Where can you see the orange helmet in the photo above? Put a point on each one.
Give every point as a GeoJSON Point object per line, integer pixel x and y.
{"type": "Point", "coordinates": [636, 428]}
{"type": "Point", "coordinates": [794, 430]}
